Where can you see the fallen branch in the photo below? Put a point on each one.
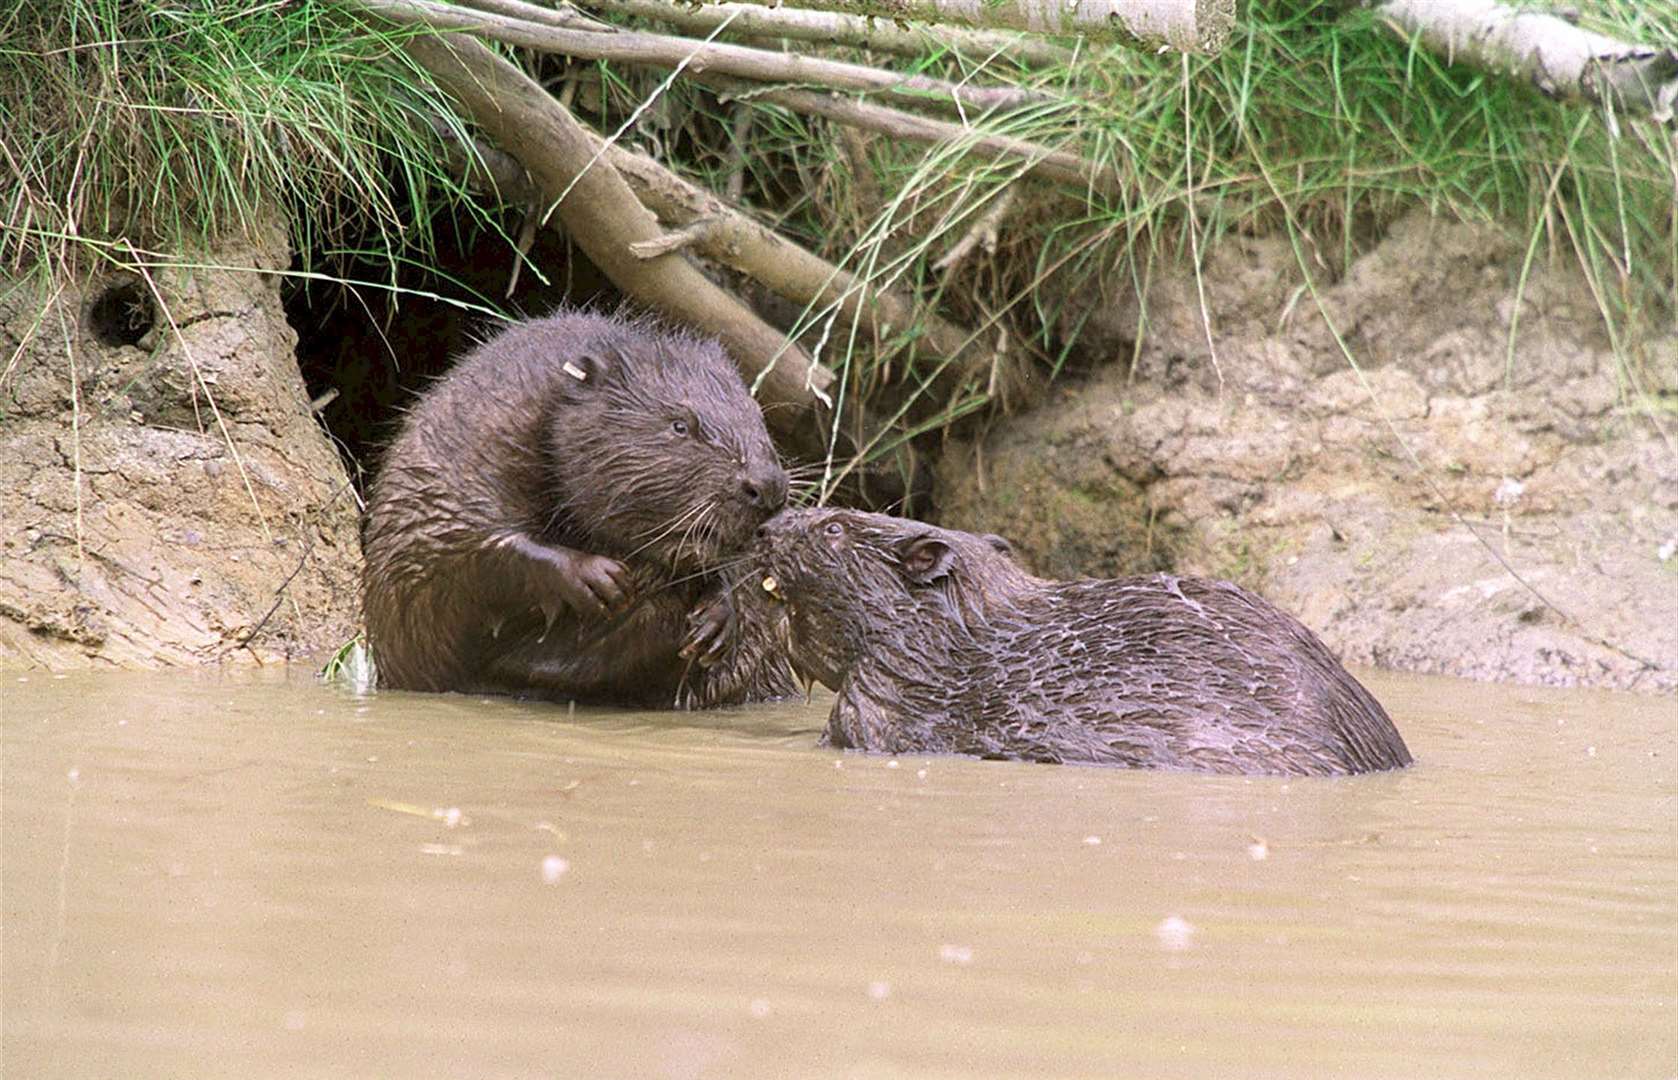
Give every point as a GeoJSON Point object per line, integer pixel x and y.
{"type": "Point", "coordinates": [833, 28]}
{"type": "Point", "coordinates": [1561, 59]}
{"type": "Point", "coordinates": [701, 222]}
{"type": "Point", "coordinates": [1201, 26]}
{"type": "Point", "coordinates": [603, 217]}
{"type": "Point", "coordinates": [1045, 163]}
{"type": "Point", "coordinates": [659, 50]}
{"type": "Point", "coordinates": [562, 15]}
{"type": "Point", "coordinates": [725, 235]}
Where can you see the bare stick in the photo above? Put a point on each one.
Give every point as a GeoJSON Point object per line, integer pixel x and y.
{"type": "Point", "coordinates": [1560, 58]}
{"type": "Point", "coordinates": [603, 217]}
{"type": "Point", "coordinates": [1045, 163]}
{"type": "Point", "coordinates": [832, 28]}
{"type": "Point", "coordinates": [1201, 26]}
{"type": "Point", "coordinates": [659, 50]}
{"type": "Point", "coordinates": [981, 234]}
{"type": "Point", "coordinates": [562, 15]}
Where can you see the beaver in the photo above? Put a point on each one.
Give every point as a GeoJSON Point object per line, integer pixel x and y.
{"type": "Point", "coordinates": [558, 515]}
{"type": "Point", "coordinates": [936, 640]}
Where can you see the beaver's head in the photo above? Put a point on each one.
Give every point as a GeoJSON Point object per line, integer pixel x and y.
{"type": "Point", "coordinates": [658, 449]}
{"type": "Point", "coordinates": [859, 585]}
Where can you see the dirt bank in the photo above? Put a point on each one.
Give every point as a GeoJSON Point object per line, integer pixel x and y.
{"type": "Point", "coordinates": [1445, 508]}
{"type": "Point", "coordinates": [165, 491]}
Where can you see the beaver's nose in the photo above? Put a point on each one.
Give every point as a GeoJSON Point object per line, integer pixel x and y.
{"type": "Point", "coordinates": [766, 488]}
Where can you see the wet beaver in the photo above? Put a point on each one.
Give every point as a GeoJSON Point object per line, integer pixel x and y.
{"type": "Point", "coordinates": [557, 518]}
{"type": "Point", "coordinates": [935, 640]}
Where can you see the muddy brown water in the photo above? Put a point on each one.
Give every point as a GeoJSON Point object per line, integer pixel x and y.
{"type": "Point", "coordinates": [259, 875]}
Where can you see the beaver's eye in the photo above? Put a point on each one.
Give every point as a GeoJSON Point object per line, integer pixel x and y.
{"type": "Point", "coordinates": [833, 528]}
{"type": "Point", "coordinates": [679, 426]}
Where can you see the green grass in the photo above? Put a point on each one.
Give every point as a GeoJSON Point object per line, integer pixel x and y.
{"type": "Point", "coordinates": [165, 125]}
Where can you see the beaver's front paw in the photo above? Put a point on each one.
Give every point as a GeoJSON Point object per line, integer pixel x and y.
{"type": "Point", "coordinates": [711, 629]}
{"type": "Point", "coordinates": [593, 586]}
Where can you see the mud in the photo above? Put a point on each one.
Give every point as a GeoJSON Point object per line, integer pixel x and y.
{"type": "Point", "coordinates": [1446, 507]}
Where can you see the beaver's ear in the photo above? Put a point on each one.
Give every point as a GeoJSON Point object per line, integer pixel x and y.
{"type": "Point", "coordinates": [998, 543]}
{"type": "Point", "coordinates": [925, 559]}
{"type": "Point", "coordinates": [588, 369]}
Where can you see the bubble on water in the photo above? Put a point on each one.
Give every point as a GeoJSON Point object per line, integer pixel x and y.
{"type": "Point", "coordinates": [955, 954]}
{"type": "Point", "coordinates": [74, 774]}
{"type": "Point", "coordinates": [451, 816]}
{"type": "Point", "coordinates": [553, 868]}
{"type": "Point", "coordinates": [892, 764]}
{"type": "Point", "coordinates": [920, 774]}
{"type": "Point", "coordinates": [1258, 850]}
{"type": "Point", "coordinates": [1174, 933]}
{"type": "Point", "coordinates": [1092, 840]}
{"type": "Point", "coordinates": [879, 989]}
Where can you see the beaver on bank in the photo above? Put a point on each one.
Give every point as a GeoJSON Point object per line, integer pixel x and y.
{"type": "Point", "coordinates": [935, 640]}
{"type": "Point", "coordinates": [556, 516]}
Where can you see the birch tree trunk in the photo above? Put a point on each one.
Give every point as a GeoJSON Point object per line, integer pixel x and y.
{"type": "Point", "coordinates": [1561, 59]}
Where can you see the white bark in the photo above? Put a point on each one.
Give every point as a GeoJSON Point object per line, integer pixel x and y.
{"type": "Point", "coordinates": [833, 28]}
{"type": "Point", "coordinates": [1561, 59]}
{"type": "Point", "coordinates": [1201, 26]}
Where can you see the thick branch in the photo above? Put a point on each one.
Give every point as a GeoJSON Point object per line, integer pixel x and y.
{"type": "Point", "coordinates": [832, 28]}
{"type": "Point", "coordinates": [1201, 26]}
{"type": "Point", "coordinates": [1560, 58]}
{"type": "Point", "coordinates": [603, 217]}
{"type": "Point", "coordinates": [1055, 165]}
{"type": "Point", "coordinates": [735, 240]}
{"type": "Point", "coordinates": [658, 50]}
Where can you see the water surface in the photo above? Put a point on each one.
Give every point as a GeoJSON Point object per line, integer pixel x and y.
{"type": "Point", "coordinates": [257, 875]}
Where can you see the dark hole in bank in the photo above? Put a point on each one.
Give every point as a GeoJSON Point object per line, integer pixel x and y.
{"type": "Point", "coordinates": [366, 345]}
{"type": "Point", "coordinates": [121, 313]}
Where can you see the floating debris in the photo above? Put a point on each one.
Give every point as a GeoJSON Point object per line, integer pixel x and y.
{"type": "Point", "coordinates": [956, 954]}
{"type": "Point", "coordinates": [1174, 933]}
{"type": "Point", "coordinates": [1258, 850]}
{"type": "Point", "coordinates": [553, 868]}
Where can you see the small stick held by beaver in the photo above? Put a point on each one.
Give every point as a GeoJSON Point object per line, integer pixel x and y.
{"type": "Point", "coordinates": [557, 518]}
{"type": "Point", "coordinates": [935, 640]}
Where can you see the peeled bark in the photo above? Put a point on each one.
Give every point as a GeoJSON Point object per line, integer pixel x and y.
{"type": "Point", "coordinates": [667, 51]}
{"type": "Point", "coordinates": [833, 28]}
{"type": "Point", "coordinates": [1561, 59]}
{"type": "Point", "coordinates": [1201, 26]}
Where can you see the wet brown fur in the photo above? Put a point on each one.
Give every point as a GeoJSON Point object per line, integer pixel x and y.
{"type": "Point", "coordinates": [509, 465]}
{"type": "Point", "coordinates": [936, 640]}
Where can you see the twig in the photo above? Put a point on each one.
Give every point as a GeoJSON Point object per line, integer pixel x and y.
{"type": "Point", "coordinates": [982, 232]}
{"type": "Point", "coordinates": [564, 14]}
{"type": "Point", "coordinates": [1058, 166]}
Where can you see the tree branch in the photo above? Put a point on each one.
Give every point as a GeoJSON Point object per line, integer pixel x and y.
{"type": "Point", "coordinates": [658, 50]}
{"type": "Point", "coordinates": [1201, 26]}
{"type": "Point", "coordinates": [603, 217]}
{"type": "Point", "coordinates": [1058, 166]}
{"type": "Point", "coordinates": [832, 28]}
{"type": "Point", "coordinates": [1560, 58]}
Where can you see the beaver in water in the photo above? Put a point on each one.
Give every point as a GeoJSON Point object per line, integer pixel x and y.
{"type": "Point", "coordinates": [557, 516]}
{"type": "Point", "coordinates": [935, 640]}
